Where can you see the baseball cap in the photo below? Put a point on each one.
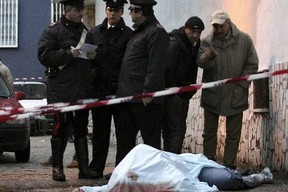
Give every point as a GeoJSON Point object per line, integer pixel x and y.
{"type": "Point", "coordinates": [219, 17]}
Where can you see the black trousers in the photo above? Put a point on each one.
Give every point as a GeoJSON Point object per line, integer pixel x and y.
{"type": "Point", "coordinates": [102, 117]}
{"type": "Point", "coordinates": [66, 122]}
{"type": "Point", "coordinates": [135, 117]}
{"type": "Point", "coordinates": [78, 120]}
{"type": "Point", "coordinates": [174, 123]}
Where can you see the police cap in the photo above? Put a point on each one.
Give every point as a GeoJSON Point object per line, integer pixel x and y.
{"type": "Point", "coordinates": [79, 4]}
{"type": "Point", "coordinates": [143, 2]}
{"type": "Point", "coordinates": [115, 3]}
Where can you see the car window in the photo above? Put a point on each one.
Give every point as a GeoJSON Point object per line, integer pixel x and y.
{"type": "Point", "coordinates": [4, 90]}
{"type": "Point", "coordinates": [32, 91]}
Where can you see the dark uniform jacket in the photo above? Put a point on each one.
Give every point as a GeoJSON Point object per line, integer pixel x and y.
{"type": "Point", "coordinates": [69, 78]}
{"type": "Point", "coordinates": [111, 48]}
{"type": "Point", "coordinates": [182, 67]}
{"type": "Point", "coordinates": [144, 63]}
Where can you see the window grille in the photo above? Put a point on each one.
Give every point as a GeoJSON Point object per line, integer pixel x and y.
{"type": "Point", "coordinates": [57, 10]}
{"type": "Point", "coordinates": [8, 23]}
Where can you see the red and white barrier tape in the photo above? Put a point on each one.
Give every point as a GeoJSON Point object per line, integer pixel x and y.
{"type": "Point", "coordinates": [18, 113]}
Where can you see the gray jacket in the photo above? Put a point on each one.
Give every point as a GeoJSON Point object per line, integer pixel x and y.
{"type": "Point", "coordinates": [7, 74]}
{"type": "Point", "coordinates": [236, 57]}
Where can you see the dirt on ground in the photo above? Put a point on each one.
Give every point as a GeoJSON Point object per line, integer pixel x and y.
{"type": "Point", "coordinates": [39, 180]}
{"type": "Point", "coordinates": [34, 177]}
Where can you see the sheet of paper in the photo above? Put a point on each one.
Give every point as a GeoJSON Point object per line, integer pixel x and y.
{"type": "Point", "coordinates": [86, 48]}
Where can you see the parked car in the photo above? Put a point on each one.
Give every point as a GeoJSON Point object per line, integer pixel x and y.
{"type": "Point", "coordinates": [14, 134]}
{"type": "Point", "coordinates": [36, 96]}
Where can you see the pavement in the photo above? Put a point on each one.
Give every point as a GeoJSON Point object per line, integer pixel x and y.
{"type": "Point", "coordinates": [33, 177]}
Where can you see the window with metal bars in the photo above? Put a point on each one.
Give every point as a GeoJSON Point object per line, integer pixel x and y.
{"type": "Point", "coordinates": [8, 23]}
{"type": "Point", "coordinates": [57, 10]}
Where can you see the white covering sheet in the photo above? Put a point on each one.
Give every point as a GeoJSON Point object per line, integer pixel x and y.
{"type": "Point", "coordinates": [146, 169]}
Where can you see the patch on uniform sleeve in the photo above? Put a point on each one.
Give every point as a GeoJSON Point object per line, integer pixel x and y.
{"type": "Point", "coordinates": [52, 24]}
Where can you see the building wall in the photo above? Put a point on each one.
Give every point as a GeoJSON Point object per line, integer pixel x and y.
{"type": "Point", "coordinates": [34, 15]}
{"type": "Point", "coordinates": [279, 119]}
{"type": "Point", "coordinates": [263, 20]}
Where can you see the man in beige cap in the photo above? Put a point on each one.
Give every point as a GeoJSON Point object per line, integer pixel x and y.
{"type": "Point", "coordinates": [225, 53]}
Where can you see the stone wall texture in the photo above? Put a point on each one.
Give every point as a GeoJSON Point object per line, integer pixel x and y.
{"type": "Point", "coordinates": [264, 133]}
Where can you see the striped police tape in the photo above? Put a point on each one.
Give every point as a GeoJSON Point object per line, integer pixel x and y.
{"type": "Point", "coordinates": [19, 113]}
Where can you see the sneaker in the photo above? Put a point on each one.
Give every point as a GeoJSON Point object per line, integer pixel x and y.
{"type": "Point", "coordinates": [258, 178]}
{"type": "Point", "coordinates": [268, 176]}
{"type": "Point", "coordinates": [73, 164]}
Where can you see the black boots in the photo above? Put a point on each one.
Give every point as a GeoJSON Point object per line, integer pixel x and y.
{"type": "Point", "coordinates": [57, 160]}
{"type": "Point", "coordinates": [82, 152]}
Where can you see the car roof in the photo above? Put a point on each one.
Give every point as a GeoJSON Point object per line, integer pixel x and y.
{"type": "Point", "coordinates": [28, 82]}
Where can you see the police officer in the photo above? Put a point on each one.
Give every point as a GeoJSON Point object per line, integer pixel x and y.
{"type": "Point", "coordinates": [111, 37]}
{"type": "Point", "coordinates": [68, 81]}
{"type": "Point", "coordinates": [142, 71]}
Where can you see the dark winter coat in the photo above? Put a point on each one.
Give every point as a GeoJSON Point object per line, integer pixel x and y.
{"type": "Point", "coordinates": [111, 48]}
{"type": "Point", "coordinates": [236, 57]}
{"type": "Point", "coordinates": [73, 81]}
{"type": "Point", "coordinates": [182, 67]}
{"type": "Point", "coordinates": [144, 63]}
